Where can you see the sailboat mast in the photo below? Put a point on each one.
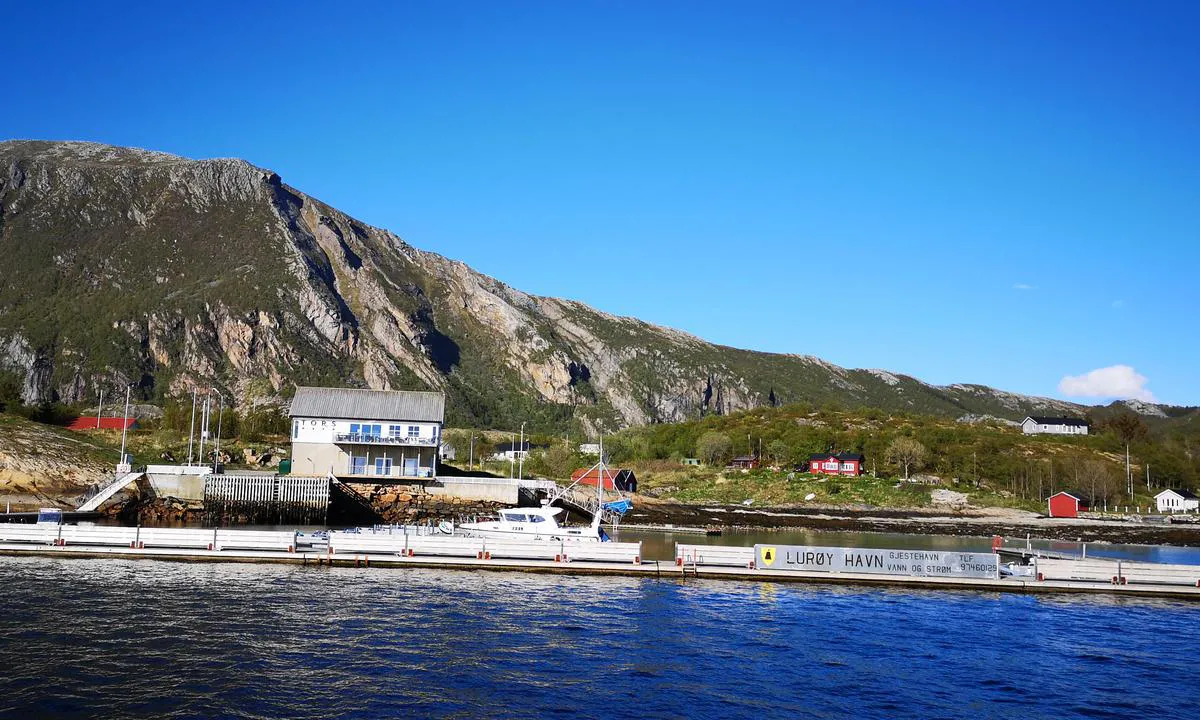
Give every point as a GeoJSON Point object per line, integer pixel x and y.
{"type": "Point", "coordinates": [600, 488]}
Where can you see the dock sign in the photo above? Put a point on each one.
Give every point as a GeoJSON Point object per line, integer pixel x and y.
{"type": "Point", "coordinates": [911, 563]}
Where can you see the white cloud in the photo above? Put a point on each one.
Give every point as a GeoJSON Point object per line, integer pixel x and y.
{"type": "Point", "coordinates": [1024, 286]}
{"type": "Point", "coordinates": [1116, 381]}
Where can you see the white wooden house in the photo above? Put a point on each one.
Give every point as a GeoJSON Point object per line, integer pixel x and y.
{"type": "Point", "coordinates": [1037, 425]}
{"type": "Point", "coordinates": [1177, 501]}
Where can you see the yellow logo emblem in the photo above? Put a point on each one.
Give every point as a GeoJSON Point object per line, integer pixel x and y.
{"type": "Point", "coordinates": [768, 556]}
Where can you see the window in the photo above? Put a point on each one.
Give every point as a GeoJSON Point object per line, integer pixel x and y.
{"type": "Point", "coordinates": [383, 466]}
{"type": "Point", "coordinates": [515, 517]}
{"type": "Point", "coordinates": [536, 519]}
{"type": "Point", "coordinates": [394, 431]}
{"type": "Point", "coordinates": [365, 430]}
{"type": "Point", "coordinates": [414, 431]}
{"type": "Point", "coordinates": [295, 429]}
{"type": "Point", "coordinates": [358, 465]}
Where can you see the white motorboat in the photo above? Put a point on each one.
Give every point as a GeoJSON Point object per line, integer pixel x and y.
{"type": "Point", "coordinates": [541, 523]}
{"type": "Point", "coordinates": [530, 523]}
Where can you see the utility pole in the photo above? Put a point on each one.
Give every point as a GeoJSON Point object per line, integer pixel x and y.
{"type": "Point", "coordinates": [1128, 474]}
{"type": "Point", "coordinates": [471, 456]}
{"type": "Point", "coordinates": [521, 466]}
{"type": "Point", "coordinates": [100, 408]}
{"type": "Point", "coordinates": [512, 456]}
{"type": "Point", "coordinates": [1147, 476]}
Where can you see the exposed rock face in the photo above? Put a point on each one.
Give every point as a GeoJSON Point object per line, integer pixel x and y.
{"type": "Point", "coordinates": [410, 504]}
{"type": "Point", "coordinates": [141, 267]}
{"type": "Point", "coordinates": [46, 468]}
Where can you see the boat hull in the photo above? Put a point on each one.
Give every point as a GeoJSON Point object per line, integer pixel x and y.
{"type": "Point", "coordinates": [556, 535]}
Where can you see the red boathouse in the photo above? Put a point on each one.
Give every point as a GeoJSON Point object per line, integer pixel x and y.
{"type": "Point", "coordinates": [1068, 504]}
{"type": "Point", "coordinates": [619, 479]}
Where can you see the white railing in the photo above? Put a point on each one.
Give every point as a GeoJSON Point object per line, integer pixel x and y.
{"type": "Point", "coordinates": [394, 472]}
{"type": "Point", "coordinates": [722, 555]}
{"type": "Point", "coordinates": [94, 500]}
{"type": "Point", "coordinates": [140, 537]}
{"type": "Point", "coordinates": [525, 483]}
{"type": "Point", "coordinates": [1117, 572]}
{"type": "Point", "coordinates": [415, 545]}
{"type": "Point", "coordinates": [360, 438]}
{"type": "Point", "coordinates": [179, 469]}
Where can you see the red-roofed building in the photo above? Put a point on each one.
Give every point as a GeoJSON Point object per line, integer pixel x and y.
{"type": "Point", "coordinates": [1068, 503]}
{"type": "Point", "coordinates": [104, 423]}
{"type": "Point", "coordinates": [619, 479]}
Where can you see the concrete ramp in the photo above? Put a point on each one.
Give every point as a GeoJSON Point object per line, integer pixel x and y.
{"type": "Point", "coordinates": [107, 491]}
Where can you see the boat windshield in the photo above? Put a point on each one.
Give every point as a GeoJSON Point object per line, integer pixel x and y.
{"type": "Point", "coordinates": [515, 517]}
{"type": "Point", "coordinates": [536, 519]}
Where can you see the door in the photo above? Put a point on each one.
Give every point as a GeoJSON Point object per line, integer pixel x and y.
{"type": "Point", "coordinates": [410, 467]}
{"type": "Point", "coordinates": [358, 465]}
{"type": "Point", "coordinates": [383, 466]}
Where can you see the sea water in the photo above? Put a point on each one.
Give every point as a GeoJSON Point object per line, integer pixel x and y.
{"type": "Point", "coordinates": [130, 638]}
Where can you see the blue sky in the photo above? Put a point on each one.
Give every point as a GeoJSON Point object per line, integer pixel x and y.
{"type": "Point", "coordinates": [1003, 193]}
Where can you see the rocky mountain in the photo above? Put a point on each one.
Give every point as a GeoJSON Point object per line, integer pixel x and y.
{"type": "Point", "coordinates": [129, 266]}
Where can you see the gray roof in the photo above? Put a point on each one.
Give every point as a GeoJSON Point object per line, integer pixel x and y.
{"type": "Point", "coordinates": [355, 404]}
{"type": "Point", "coordinates": [1040, 420]}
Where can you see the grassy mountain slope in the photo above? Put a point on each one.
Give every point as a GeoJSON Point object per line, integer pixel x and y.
{"type": "Point", "coordinates": [133, 266]}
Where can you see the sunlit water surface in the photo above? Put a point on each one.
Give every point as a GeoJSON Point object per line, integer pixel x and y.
{"type": "Point", "coordinates": [126, 638]}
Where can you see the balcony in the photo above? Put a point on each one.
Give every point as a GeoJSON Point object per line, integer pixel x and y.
{"type": "Point", "coordinates": [388, 472]}
{"type": "Point", "coordinates": [372, 439]}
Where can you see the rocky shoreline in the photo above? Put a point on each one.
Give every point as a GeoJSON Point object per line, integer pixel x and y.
{"type": "Point", "coordinates": [914, 521]}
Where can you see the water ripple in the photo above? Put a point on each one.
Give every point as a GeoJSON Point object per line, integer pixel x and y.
{"type": "Point", "coordinates": [84, 638]}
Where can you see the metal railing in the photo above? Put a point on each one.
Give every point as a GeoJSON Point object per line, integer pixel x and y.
{"type": "Point", "coordinates": [372, 439]}
{"type": "Point", "coordinates": [395, 471]}
{"type": "Point", "coordinates": [523, 483]}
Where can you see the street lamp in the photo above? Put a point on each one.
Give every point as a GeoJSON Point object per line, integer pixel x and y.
{"type": "Point", "coordinates": [125, 424]}
{"type": "Point", "coordinates": [192, 427]}
{"type": "Point", "coordinates": [220, 412]}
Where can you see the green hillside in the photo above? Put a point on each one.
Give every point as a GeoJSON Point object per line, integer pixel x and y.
{"type": "Point", "coordinates": [992, 462]}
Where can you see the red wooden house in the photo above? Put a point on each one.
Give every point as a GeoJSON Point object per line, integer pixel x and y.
{"type": "Point", "coordinates": [851, 464]}
{"type": "Point", "coordinates": [1068, 503]}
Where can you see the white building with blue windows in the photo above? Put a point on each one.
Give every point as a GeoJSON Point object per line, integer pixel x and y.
{"type": "Point", "coordinates": [366, 434]}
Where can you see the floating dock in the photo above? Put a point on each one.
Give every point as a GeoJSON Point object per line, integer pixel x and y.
{"type": "Point", "coordinates": [424, 550]}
